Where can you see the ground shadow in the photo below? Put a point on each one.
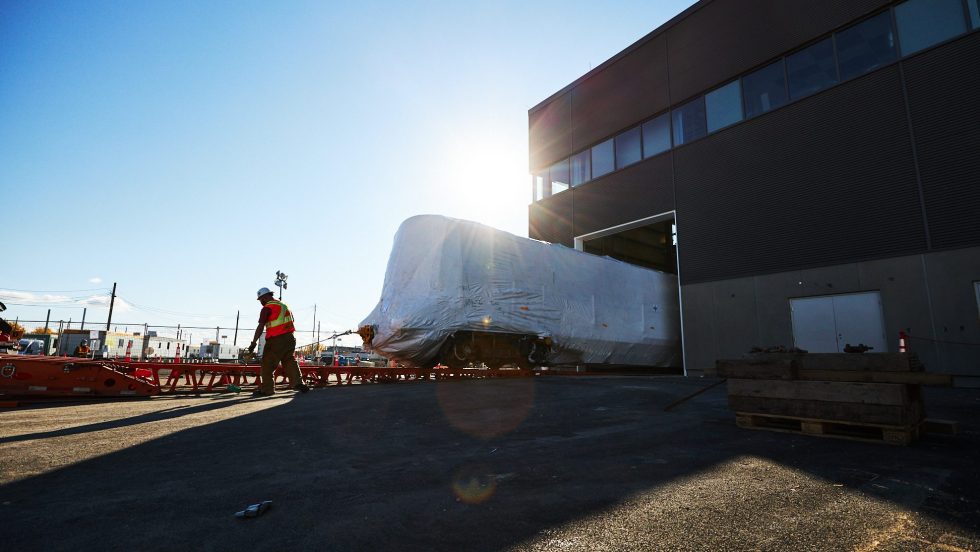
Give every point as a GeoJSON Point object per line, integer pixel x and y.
{"type": "Point", "coordinates": [393, 468]}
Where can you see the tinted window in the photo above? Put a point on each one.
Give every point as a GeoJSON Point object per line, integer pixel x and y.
{"type": "Point", "coordinates": [581, 166]}
{"type": "Point", "coordinates": [812, 69]}
{"type": "Point", "coordinates": [974, 13]}
{"type": "Point", "coordinates": [559, 177]}
{"type": "Point", "coordinates": [922, 23]}
{"type": "Point", "coordinates": [764, 90]}
{"type": "Point", "coordinates": [865, 46]}
{"type": "Point", "coordinates": [603, 159]}
{"type": "Point", "coordinates": [540, 190]}
{"type": "Point", "coordinates": [656, 135]}
{"type": "Point", "coordinates": [723, 106]}
{"type": "Point", "coordinates": [689, 122]}
{"type": "Point", "coordinates": [628, 148]}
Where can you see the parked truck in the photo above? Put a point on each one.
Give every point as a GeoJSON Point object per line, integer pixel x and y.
{"type": "Point", "coordinates": [459, 293]}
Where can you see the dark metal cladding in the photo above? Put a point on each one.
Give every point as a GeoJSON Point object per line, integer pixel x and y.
{"type": "Point", "coordinates": [826, 180]}
{"type": "Point", "coordinates": [626, 92]}
{"type": "Point", "coordinates": [725, 38]}
{"type": "Point", "coordinates": [647, 185]}
{"type": "Point", "coordinates": [550, 132]}
{"type": "Point", "coordinates": [551, 219]}
{"type": "Point", "coordinates": [944, 88]}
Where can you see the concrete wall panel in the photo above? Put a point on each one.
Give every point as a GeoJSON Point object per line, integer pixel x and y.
{"type": "Point", "coordinates": [699, 329]}
{"type": "Point", "coordinates": [772, 291]}
{"type": "Point", "coordinates": [951, 276]}
{"type": "Point", "coordinates": [736, 321]}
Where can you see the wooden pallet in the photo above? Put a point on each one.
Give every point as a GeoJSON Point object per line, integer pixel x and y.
{"type": "Point", "coordinates": [892, 435]}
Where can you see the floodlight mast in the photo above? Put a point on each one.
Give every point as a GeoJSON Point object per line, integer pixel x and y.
{"type": "Point", "coordinates": [281, 282]}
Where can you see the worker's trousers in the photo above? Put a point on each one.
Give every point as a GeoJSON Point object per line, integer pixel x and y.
{"type": "Point", "coordinates": [279, 349]}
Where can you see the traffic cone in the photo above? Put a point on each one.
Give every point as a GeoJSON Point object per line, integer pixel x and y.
{"type": "Point", "coordinates": [903, 342]}
{"type": "Point", "coordinates": [177, 355]}
{"type": "Point", "coordinates": [129, 351]}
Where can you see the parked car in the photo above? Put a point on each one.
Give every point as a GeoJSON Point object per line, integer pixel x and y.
{"type": "Point", "coordinates": [31, 347]}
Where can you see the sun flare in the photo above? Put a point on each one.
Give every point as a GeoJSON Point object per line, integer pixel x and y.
{"type": "Point", "coordinates": [488, 182]}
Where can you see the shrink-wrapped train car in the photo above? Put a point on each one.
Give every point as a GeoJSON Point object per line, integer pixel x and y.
{"type": "Point", "coordinates": [459, 293]}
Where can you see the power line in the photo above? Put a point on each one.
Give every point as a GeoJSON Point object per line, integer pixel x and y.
{"type": "Point", "coordinates": [54, 290]}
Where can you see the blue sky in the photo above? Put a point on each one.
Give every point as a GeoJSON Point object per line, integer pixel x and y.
{"type": "Point", "coordinates": [188, 150]}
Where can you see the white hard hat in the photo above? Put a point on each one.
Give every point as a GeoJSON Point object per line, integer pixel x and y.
{"type": "Point", "coordinates": [262, 291]}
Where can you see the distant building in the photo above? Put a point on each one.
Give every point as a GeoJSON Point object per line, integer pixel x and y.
{"type": "Point", "coordinates": [213, 350]}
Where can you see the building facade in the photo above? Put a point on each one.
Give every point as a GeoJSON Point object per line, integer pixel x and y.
{"type": "Point", "coordinates": [810, 170]}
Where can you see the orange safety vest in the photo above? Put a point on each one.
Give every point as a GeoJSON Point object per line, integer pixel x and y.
{"type": "Point", "coordinates": [280, 320]}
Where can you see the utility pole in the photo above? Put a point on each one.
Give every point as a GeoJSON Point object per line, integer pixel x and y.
{"type": "Point", "coordinates": [112, 302]}
{"type": "Point", "coordinates": [235, 342]}
{"type": "Point", "coordinates": [84, 311]}
{"type": "Point", "coordinates": [318, 337]}
{"type": "Point", "coordinates": [46, 320]}
{"type": "Point", "coordinates": [146, 341]}
{"type": "Point", "coordinates": [313, 345]}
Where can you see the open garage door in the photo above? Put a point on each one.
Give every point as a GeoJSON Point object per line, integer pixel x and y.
{"type": "Point", "coordinates": [649, 243]}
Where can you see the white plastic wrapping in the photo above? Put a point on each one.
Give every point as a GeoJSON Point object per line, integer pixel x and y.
{"type": "Point", "coordinates": [446, 275]}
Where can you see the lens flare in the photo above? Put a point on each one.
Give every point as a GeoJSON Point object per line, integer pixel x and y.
{"type": "Point", "coordinates": [474, 484]}
{"type": "Point", "coordinates": [486, 409]}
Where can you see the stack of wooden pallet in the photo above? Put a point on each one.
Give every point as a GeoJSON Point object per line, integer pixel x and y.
{"type": "Point", "coordinates": [866, 396]}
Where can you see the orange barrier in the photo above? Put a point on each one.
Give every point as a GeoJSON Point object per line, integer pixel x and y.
{"type": "Point", "coordinates": [52, 376]}
{"type": "Point", "coordinates": [64, 377]}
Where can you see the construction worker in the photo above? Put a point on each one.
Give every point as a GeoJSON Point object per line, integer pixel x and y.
{"type": "Point", "coordinates": [280, 344]}
{"type": "Point", "coordinates": [82, 350]}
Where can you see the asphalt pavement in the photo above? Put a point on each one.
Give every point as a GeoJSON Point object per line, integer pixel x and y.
{"type": "Point", "coordinates": [544, 463]}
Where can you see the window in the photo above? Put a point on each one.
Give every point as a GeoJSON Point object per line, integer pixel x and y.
{"type": "Point", "coordinates": [628, 149]}
{"type": "Point", "coordinates": [538, 181]}
{"type": "Point", "coordinates": [603, 159]}
{"type": "Point", "coordinates": [812, 69]}
{"type": "Point", "coordinates": [656, 135]}
{"type": "Point", "coordinates": [765, 89]}
{"type": "Point", "coordinates": [559, 177]}
{"type": "Point", "coordinates": [865, 46]}
{"type": "Point", "coordinates": [581, 168]}
{"type": "Point", "coordinates": [922, 23]}
{"type": "Point", "coordinates": [723, 106]}
{"type": "Point", "coordinates": [689, 122]}
{"type": "Point", "coordinates": [120, 343]}
{"type": "Point", "coordinates": [974, 12]}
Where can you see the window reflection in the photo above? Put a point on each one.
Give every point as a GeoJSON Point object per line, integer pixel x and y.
{"type": "Point", "coordinates": [539, 189]}
{"type": "Point", "coordinates": [581, 168]}
{"type": "Point", "coordinates": [723, 106]}
{"type": "Point", "coordinates": [856, 50]}
{"type": "Point", "coordinates": [812, 69]}
{"type": "Point", "coordinates": [764, 90]}
{"type": "Point", "coordinates": [628, 149]}
{"type": "Point", "coordinates": [656, 135]}
{"type": "Point", "coordinates": [865, 46]}
{"type": "Point", "coordinates": [603, 159]}
{"type": "Point", "coordinates": [559, 177]}
{"type": "Point", "coordinates": [689, 122]}
{"type": "Point", "coordinates": [922, 23]}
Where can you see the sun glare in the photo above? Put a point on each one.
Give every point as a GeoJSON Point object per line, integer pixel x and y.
{"type": "Point", "coordinates": [488, 182]}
